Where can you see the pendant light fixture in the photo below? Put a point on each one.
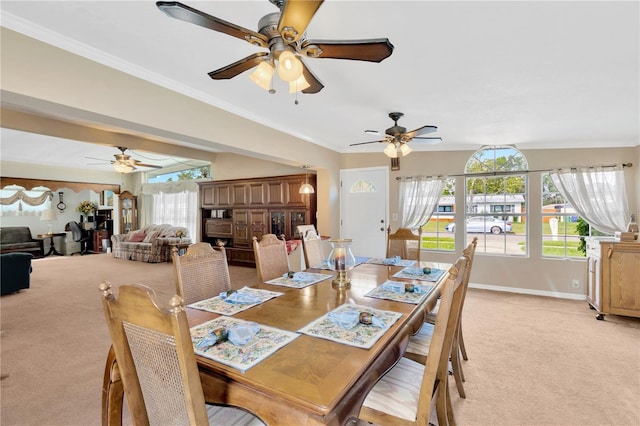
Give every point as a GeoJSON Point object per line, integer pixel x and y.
{"type": "Point", "coordinates": [306, 188]}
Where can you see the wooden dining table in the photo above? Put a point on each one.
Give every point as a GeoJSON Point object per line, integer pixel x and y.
{"type": "Point", "coordinates": [313, 380]}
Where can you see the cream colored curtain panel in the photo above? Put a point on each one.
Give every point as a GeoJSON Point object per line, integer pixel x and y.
{"type": "Point", "coordinates": [598, 194]}
{"type": "Point", "coordinates": [418, 197]}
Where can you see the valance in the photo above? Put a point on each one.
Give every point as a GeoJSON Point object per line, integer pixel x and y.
{"type": "Point", "coordinates": [169, 187]}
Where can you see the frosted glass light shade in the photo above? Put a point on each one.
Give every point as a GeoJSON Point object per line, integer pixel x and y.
{"type": "Point", "coordinates": [262, 75]}
{"type": "Point", "coordinates": [306, 188]}
{"type": "Point", "coordinates": [289, 67]}
{"type": "Point", "coordinates": [391, 150]}
{"type": "Point", "coordinates": [405, 149]}
{"type": "Point", "coordinates": [122, 168]}
{"type": "Point", "coordinates": [297, 85]}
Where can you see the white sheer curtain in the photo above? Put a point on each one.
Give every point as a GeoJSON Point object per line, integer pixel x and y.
{"type": "Point", "coordinates": [175, 203]}
{"type": "Point", "coordinates": [418, 197]}
{"type": "Point", "coordinates": [598, 194]}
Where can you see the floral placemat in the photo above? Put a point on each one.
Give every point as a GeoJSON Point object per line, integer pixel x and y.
{"type": "Point", "coordinates": [362, 335]}
{"type": "Point", "coordinates": [219, 306]}
{"type": "Point", "coordinates": [418, 274]}
{"type": "Point", "coordinates": [300, 279]}
{"type": "Point", "coordinates": [267, 341]}
{"type": "Point", "coordinates": [383, 291]}
{"type": "Point", "coordinates": [392, 262]}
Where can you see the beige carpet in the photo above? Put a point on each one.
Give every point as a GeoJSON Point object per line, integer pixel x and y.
{"type": "Point", "coordinates": [533, 360]}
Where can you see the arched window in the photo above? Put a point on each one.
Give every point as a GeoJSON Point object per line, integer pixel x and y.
{"type": "Point", "coordinates": [496, 200]}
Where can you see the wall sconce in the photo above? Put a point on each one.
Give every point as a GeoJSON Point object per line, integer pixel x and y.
{"type": "Point", "coordinates": [61, 205]}
{"type": "Point", "coordinates": [306, 188]}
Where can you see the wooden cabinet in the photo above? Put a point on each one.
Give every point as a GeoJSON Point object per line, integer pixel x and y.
{"type": "Point", "coordinates": [254, 207]}
{"type": "Point", "coordinates": [128, 212]}
{"type": "Point", "coordinates": [100, 236]}
{"type": "Point", "coordinates": [613, 283]}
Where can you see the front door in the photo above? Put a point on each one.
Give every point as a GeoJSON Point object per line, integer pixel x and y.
{"type": "Point", "coordinates": [364, 197]}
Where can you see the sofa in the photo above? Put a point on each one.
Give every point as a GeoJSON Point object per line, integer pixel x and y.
{"type": "Point", "coordinates": [151, 244]}
{"type": "Point", "coordinates": [19, 239]}
{"type": "Point", "coordinates": [15, 272]}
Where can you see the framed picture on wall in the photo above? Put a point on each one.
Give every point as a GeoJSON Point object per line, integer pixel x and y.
{"type": "Point", "coordinates": [106, 198]}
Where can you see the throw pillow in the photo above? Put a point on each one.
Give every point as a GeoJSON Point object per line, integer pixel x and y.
{"type": "Point", "coordinates": [151, 236]}
{"type": "Point", "coordinates": [136, 237]}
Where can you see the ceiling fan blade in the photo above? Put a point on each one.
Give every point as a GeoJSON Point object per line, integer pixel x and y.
{"type": "Point", "coordinates": [315, 84]}
{"type": "Point", "coordinates": [238, 67]}
{"type": "Point", "coordinates": [372, 50]}
{"type": "Point", "coordinates": [153, 166]}
{"type": "Point", "coordinates": [98, 159]}
{"type": "Point", "coordinates": [427, 140]}
{"type": "Point", "coordinates": [295, 17]}
{"type": "Point", "coordinates": [185, 13]}
{"type": "Point", "coordinates": [372, 132]}
{"type": "Point", "coordinates": [424, 130]}
{"type": "Point", "coordinates": [364, 143]}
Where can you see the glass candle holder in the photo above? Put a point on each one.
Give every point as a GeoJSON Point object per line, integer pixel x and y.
{"type": "Point", "coordinates": [341, 260]}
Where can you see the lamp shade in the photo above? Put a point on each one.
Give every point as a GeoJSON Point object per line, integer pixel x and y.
{"type": "Point", "coordinates": [405, 149]}
{"type": "Point", "coordinates": [289, 67]}
{"type": "Point", "coordinates": [262, 75]}
{"type": "Point", "coordinates": [306, 188]}
{"type": "Point", "coordinates": [297, 85]}
{"type": "Point", "coordinates": [49, 214]}
{"type": "Point", "coordinates": [391, 150]}
{"type": "Point", "coordinates": [122, 168]}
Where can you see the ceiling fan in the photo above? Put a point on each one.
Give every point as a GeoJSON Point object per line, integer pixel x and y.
{"type": "Point", "coordinates": [125, 164]}
{"type": "Point", "coordinates": [397, 137]}
{"type": "Point", "coordinates": [283, 33]}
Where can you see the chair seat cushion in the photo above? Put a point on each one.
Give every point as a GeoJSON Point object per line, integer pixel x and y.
{"type": "Point", "coordinates": [398, 391]}
{"type": "Point", "coordinates": [419, 343]}
{"type": "Point", "coordinates": [219, 415]}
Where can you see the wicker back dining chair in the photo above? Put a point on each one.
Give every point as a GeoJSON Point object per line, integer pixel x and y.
{"type": "Point", "coordinates": [404, 243]}
{"type": "Point", "coordinates": [398, 397]}
{"type": "Point", "coordinates": [202, 272]}
{"type": "Point", "coordinates": [314, 252]}
{"type": "Point", "coordinates": [271, 257]}
{"type": "Point", "coordinates": [156, 361]}
{"type": "Point", "coordinates": [418, 347]}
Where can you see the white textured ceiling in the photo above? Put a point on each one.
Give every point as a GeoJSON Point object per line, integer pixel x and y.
{"type": "Point", "coordinates": [536, 74]}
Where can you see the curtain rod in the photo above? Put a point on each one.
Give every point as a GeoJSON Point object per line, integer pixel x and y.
{"type": "Point", "coordinates": [512, 173]}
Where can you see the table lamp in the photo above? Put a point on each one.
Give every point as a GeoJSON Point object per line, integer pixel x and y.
{"type": "Point", "coordinates": [49, 215]}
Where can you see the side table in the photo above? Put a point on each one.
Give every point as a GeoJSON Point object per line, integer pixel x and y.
{"type": "Point", "coordinates": [181, 248]}
{"type": "Point", "coordinates": [52, 247]}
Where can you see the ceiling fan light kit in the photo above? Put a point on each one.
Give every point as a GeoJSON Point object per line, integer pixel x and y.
{"type": "Point", "coordinates": [283, 33]}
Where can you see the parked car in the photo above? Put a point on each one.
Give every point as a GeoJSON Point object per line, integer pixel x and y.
{"type": "Point", "coordinates": [484, 224]}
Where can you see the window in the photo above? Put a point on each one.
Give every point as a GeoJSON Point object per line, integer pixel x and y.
{"type": "Point", "coordinates": [496, 201]}
{"type": "Point", "coordinates": [17, 201]}
{"type": "Point", "coordinates": [186, 174]}
{"type": "Point", "coordinates": [434, 234]}
{"type": "Point", "coordinates": [560, 236]}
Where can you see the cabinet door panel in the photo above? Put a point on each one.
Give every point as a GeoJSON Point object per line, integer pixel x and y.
{"type": "Point", "coordinates": [240, 196]}
{"type": "Point", "coordinates": [207, 196]}
{"type": "Point", "coordinates": [223, 196]}
{"type": "Point", "coordinates": [624, 270]}
{"type": "Point", "coordinates": [241, 228]}
{"type": "Point", "coordinates": [294, 198]}
{"type": "Point", "coordinates": [275, 193]}
{"type": "Point", "coordinates": [256, 194]}
{"type": "Point", "coordinates": [258, 223]}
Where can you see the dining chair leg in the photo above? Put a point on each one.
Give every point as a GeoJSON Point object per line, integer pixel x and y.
{"type": "Point", "coordinates": [458, 351]}
{"type": "Point", "coordinates": [457, 371]}
{"type": "Point", "coordinates": [112, 393]}
{"type": "Point", "coordinates": [441, 403]}
{"type": "Point", "coordinates": [451, 421]}
{"type": "Point", "coordinates": [461, 342]}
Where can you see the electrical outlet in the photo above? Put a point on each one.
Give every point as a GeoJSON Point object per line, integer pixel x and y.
{"type": "Point", "coordinates": [575, 283]}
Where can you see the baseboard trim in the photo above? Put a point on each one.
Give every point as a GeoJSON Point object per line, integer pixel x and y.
{"type": "Point", "coordinates": [556, 294]}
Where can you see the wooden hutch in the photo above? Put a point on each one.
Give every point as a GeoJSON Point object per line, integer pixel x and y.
{"type": "Point", "coordinates": [234, 211]}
